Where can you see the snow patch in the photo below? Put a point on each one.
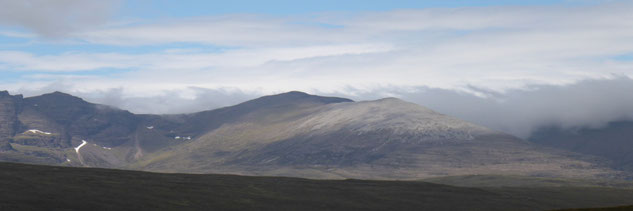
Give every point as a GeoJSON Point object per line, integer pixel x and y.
{"type": "Point", "coordinates": [108, 148]}
{"type": "Point", "coordinates": [38, 131]}
{"type": "Point", "coordinates": [83, 142]}
{"type": "Point", "coordinates": [183, 138]}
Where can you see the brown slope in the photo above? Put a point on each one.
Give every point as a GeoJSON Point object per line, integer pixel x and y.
{"type": "Point", "coordinates": [383, 139]}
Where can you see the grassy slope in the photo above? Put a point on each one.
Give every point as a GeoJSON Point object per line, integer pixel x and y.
{"type": "Point", "coordinates": [35, 187]}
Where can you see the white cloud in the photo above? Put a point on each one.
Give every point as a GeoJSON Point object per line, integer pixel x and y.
{"type": "Point", "coordinates": [68, 62]}
{"type": "Point", "coordinates": [587, 103]}
{"type": "Point", "coordinates": [177, 60]}
{"type": "Point", "coordinates": [233, 30]}
{"type": "Point", "coordinates": [55, 18]}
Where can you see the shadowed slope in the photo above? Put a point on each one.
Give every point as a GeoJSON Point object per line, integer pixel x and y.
{"type": "Point", "coordinates": [613, 141]}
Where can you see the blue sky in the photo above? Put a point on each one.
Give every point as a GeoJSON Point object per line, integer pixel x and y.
{"type": "Point", "coordinates": [187, 8]}
{"type": "Point", "coordinates": [146, 51]}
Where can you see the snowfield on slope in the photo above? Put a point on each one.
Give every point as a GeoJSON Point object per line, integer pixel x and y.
{"type": "Point", "coordinates": [83, 142]}
{"type": "Point", "coordinates": [38, 132]}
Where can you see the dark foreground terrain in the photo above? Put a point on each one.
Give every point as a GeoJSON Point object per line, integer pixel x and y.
{"type": "Point", "coordinates": [33, 187]}
{"type": "Point", "coordinates": [621, 208]}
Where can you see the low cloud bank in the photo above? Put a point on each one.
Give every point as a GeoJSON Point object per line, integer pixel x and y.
{"type": "Point", "coordinates": [589, 103]}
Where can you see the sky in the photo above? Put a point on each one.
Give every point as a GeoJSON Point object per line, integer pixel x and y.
{"type": "Point", "coordinates": [513, 66]}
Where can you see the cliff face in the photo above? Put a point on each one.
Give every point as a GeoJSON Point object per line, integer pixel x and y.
{"type": "Point", "coordinates": [69, 119]}
{"type": "Point", "coordinates": [9, 124]}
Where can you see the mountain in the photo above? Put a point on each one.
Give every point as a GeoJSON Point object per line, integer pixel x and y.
{"type": "Point", "coordinates": [289, 134]}
{"type": "Point", "coordinates": [382, 139]}
{"type": "Point", "coordinates": [613, 141]}
{"type": "Point", "coordinates": [33, 187]}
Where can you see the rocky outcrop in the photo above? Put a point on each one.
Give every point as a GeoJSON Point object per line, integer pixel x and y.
{"type": "Point", "coordinates": [9, 124]}
{"type": "Point", "coordinates": [9, 108]}
{"type": "Point", "coordinates": [71, 118]}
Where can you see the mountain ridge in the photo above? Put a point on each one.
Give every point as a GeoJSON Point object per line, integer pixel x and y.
{"type": "Point", "coordinates": [288, 134]}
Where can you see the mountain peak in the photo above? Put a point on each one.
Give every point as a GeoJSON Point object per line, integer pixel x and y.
{"type": "Point", "coordinates": [295, 97]}
{"type": "Point", "coordinates": [59, 94]}
{"type": "Point", "coordinates": [394, 114]}
{"type": "Point", "coordinates": [5, 94]}
{"type": "Point", "coordinates": [298, 93]}
{"type": "Point", "coordinates": [398, 105]}
{"type": "Point", "coordinates": [391, 100]}
{"type": "Point", "coordinates": [60, 98]}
